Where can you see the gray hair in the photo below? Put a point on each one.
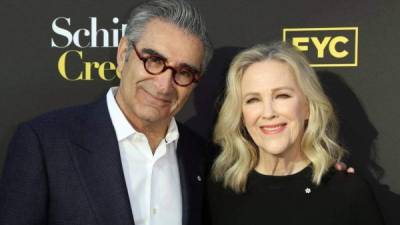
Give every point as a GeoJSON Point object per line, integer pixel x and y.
{"type": "Point", "coordinates": [179, 12]}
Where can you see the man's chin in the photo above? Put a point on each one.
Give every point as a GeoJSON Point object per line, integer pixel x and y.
{"type": "Point", "coordinates": [152, 115]}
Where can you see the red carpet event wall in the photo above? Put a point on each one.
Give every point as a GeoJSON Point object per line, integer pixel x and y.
{"type": "Point", "coordinates": [60, 53]}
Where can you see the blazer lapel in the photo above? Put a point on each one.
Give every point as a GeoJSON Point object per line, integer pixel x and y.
{"type": "Point", "coordinates": [96, 156]}
{"type": "Point", "coordinates": [191, 173]}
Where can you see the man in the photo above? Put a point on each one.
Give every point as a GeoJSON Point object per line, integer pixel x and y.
{"type": "Point", "coordinates": [123, 159]}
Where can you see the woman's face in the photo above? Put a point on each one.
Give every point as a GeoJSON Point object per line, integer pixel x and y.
{"type": "Point", "coordinates": [274, 108]}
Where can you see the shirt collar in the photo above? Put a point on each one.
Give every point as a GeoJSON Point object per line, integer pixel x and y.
{"type": "Point", "coordinates": [172, 133]}
{"type": "Point", "coordinates": [124, 129]}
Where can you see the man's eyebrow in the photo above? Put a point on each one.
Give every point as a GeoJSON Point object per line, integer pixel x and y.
{"type": "Point", "coordinates": [153, 52]}
{"type": "Point", "coordinates": [192, 67]}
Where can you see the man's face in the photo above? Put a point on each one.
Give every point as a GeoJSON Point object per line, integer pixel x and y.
{"type": "Point", "coordinates": [155, 99]}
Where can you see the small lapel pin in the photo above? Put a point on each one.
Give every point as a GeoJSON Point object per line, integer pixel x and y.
{"type": "Point", "coordinates": [199, 178]}
{"type": "Point", "coordinates": [307, 190]}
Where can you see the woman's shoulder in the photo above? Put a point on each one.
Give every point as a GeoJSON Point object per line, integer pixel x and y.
{"type": "Point", "coordinates": [354, 191]}
{"type": "Point", "coordinates": [351, 185]}
{"type": "Point", "coordinates": [216, 186]}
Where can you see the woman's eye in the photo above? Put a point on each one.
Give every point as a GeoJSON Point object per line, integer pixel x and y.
{"type": "Point", "coordinates": [283, 96]}
{"type": "Point", "coordinates": [251, 100]}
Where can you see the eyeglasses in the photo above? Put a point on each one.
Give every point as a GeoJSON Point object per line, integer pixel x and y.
{"type": "Point", "coordinates": [155, 65]}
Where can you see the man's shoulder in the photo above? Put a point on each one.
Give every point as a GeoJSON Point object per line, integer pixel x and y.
{"type": "Point", "coordinates": [204, 146]}
{"type": "Point", "coordinates": [65, 117]}
{"type": "Point", "coordinates": [188, 133]}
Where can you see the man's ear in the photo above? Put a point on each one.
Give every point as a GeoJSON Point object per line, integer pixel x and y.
{"type": "Point", "coordinates": [122, 53]}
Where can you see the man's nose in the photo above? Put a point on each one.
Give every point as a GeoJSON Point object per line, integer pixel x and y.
{"type": "Point", "coordinates": [165, 81]}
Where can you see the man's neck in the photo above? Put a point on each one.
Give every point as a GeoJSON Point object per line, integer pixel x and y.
{"type": "Point", "coordinates": [155, 132]}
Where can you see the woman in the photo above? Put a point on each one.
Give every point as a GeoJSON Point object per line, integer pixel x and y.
{"type": "Point", "coordinates": [277, 154]}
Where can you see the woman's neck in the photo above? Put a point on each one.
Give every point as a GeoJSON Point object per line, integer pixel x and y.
{"type": "Point", "coordinates": [281, 165]}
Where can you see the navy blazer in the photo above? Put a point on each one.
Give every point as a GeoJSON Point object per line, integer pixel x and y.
{"type": "Point", "coordinates": [64, 168]}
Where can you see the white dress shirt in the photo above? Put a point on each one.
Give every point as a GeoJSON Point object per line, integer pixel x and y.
{"type": "Point", "coordinates": [152, 180]}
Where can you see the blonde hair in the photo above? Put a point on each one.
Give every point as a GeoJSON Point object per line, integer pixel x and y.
{"type": "Point", "coordinates": [239, 153]}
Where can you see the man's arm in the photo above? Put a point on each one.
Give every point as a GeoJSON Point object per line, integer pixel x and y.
{"type": "Point", "coordinates": [341, 166]}
{"type": "Point", "coordinates": [23, 186]}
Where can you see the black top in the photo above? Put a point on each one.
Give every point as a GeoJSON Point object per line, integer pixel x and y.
{"type": "Point", "coordinates": [285, 200]}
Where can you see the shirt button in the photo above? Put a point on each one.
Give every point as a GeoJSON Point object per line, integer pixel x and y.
{"type": "Point", "coordinates": [154, 211]}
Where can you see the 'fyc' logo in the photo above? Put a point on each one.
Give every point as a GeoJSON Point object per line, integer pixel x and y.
{"type": "Point", "coordinates": [326, 47]}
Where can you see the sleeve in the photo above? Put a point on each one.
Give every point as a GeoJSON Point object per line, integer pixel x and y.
{"type": "Point", "coordinates": [23, 185]}
{"type": "Point", "coordinates": [365, 206]}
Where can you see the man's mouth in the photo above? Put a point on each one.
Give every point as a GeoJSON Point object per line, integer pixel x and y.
{"type": "Point", "coordinates": [155, 99]}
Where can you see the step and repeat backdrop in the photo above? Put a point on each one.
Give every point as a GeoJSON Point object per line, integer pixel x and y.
{"type": "Point", "coordinates": [60, 53]}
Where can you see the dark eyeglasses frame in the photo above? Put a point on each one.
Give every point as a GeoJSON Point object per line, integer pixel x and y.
{"type": "Point", "coordinates": [175, 70]}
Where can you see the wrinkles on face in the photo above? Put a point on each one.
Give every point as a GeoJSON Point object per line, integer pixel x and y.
{"type": "Point", "coordinates": [150, 101]}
